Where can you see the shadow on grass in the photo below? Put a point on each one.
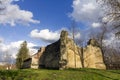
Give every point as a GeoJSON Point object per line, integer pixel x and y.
{"type": "Point", "coordinates": [114, 72]}
{"type": "Point", "coordinates": [90, 71]}
{"type": "Point", "coordinates": [103, 75]}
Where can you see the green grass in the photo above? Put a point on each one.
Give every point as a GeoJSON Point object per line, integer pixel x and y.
{"type": "Point", "coordinates": [70, 74]}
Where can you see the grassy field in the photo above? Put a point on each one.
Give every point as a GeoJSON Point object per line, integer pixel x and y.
{"type": "Point", "coordinates": [70, 74]}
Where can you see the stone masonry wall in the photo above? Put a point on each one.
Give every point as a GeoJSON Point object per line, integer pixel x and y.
{"type": "Point", "coordinates": [70, 56]}
{"type": "Point", "coordinates": [93, 56]}
{"type": "Point", "coordinates": [64, 53]}
{"type": "Point", "coordinates": [51, 56]}
{"type": "Point", "coordinates": [35, 58]}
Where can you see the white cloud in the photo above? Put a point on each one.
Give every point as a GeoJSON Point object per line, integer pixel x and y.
{"type": "Point", "coordinates": [1, 39]}
{"type": "Point", "coordinates": [95, 25]}
{"type": "Point", "coordinates": [89, 13]}
{"type": "Point", "coordinates": [85, 11]}
{"type": "Point", "coordinates": [12, 14]}
{"type": "Point", "coordinates": [77, 36]}
{"type": "Point", "coordinates": [45, 35]}
{"type": "Point", "coordinates": [112, 40]}
{"type": "Point", "coordinates": [88, 8]}
{"type": "Point", "coordinates": [12, 49]}
{"type": "Point", "coordinates": [16, 0]}
{"type": "Point", "coordinates": [51, 36]}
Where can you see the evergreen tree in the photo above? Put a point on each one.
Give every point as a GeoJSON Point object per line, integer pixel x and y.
{"type": "Point", "coordinates": [22, 54]}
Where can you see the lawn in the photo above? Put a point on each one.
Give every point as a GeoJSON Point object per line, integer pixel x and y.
{"type": "Point", "coordinates": [70, 74]}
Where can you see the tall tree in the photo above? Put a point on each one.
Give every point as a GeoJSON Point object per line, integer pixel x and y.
{"type": "Point", "coordinates": [22, 54]}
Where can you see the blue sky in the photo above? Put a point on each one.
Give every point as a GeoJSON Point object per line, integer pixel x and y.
{"type": "Point", "coordinates": [52, 15]}
{"type": "Point", "coordinates": [39, 22]}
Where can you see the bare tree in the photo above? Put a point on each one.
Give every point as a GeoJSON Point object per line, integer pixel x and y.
{"type": "Point", "coordinates": [112, 58]}
{"type": "Point", "coordinates": [7, 60]}
{"type": "Point", "coordinates": [81, 57]}
{"type": "Point", "coordinates": [3, 7]}
{"type": "Point", "coordinates": [81, 51]}
{"type": "Point", "coordinates": [73, 30]}
{"type": "Point", "coordinates": [112, 13]}
{"type": "Point", "coordinates": [112, 9]}
{"type": "Point", "coordinates": [101, 36]}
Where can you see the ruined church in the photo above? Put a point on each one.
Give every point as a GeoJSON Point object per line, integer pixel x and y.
{"type": "Point", "coordinates": [64, 54]}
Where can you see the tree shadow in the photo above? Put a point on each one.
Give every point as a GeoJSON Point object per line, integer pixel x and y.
{"type": "Point", "coordinates": [114, 72]}
{"type": "Point", "coordinates": [89, 71]}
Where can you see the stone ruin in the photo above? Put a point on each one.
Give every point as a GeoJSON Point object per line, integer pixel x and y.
{"type": "Point", "coordinates": [64, 54]}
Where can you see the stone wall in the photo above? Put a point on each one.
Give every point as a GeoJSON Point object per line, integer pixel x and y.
{"type": "Point", "coordinates": [64, 53]}
{"type": "Point", "coordinates": [27, 63]}
{"type": "Point", "coordinates": [33, 61]}
{"type": "Point", "coordinates": [93, 57]}
{"type": "Point", "coordinates": [51, 56]}
{"type": "Point", "coordinates": [35, 58]}
{"type": "Point", "coordinates": [70, 56]}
